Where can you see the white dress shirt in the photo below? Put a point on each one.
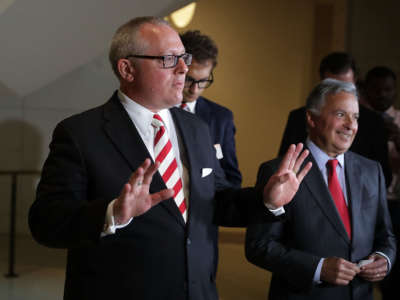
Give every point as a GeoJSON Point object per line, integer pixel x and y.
{"type": "Point", "coordinates": [142, 118]}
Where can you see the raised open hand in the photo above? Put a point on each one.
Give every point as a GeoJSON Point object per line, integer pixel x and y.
{"type": "Point", "coordinates": [283, 185]}
{"type": "Point", "coordinates": [135, 198]}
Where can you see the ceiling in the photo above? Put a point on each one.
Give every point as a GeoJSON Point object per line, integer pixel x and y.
{"type": "Point", "coordinates": [42, 40]}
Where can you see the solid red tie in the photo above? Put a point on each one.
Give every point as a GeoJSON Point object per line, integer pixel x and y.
{"type": "Point", "coordinates": [184, 106]}
{"type": "Point", "coordinates": [337, 195]}
{"type": "Point", "coordinates": [168, 168]}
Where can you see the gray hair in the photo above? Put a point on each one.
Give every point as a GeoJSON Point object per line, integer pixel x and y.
{"type": "Point", "coordinates": [329, 86]}
{"type": "Point", "coordinates": [127, 42]}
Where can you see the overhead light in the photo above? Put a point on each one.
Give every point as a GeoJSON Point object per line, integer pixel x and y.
{"type": "Point", "coordinates": [183, 16]}
{"type": "Point", "coordinates": [4, 4]}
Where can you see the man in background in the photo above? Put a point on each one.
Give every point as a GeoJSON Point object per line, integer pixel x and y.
{"type": "Point", "coordinates": [380, 95]}
{"type": "Point", "coordinates": [337, 237]}
{"type": "Point", "coordinates": [219, 118]}
{"type": "Point", "coordinates": [371, 139]}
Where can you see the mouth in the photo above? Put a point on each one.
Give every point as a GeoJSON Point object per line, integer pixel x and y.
{"type": "Point", "coordinates": [345, 135]}
{"type": "Point", "coordinates": [179, 84]}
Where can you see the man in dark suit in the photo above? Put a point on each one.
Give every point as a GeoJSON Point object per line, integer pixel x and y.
{"type": "Point", "coordinates": [337, 237]}
{"type": "Point", "coordinates": [136, 229]}
{"type": "Point", "coordinates": [371, 139]}
{"type": "Point", "coordinates": [218, 117]}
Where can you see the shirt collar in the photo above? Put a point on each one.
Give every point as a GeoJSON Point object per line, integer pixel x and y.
{"type": "Point", "coordinates": [141, 116]}
{"type": "Point", "coordinates": [321, 157]}
{"type": "Point", "coordinates": [191, 105]}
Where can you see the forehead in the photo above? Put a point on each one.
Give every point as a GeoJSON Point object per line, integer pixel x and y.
{"type": "Point", "coordinates": [200, 70]}
{"type": "Point", "coordinates": [347, 76]}
{"type": "Point", "coordinates": [341, 101]}
{"type": "Point", "coordinates": [160, 39]}
{"type": "Point", "coordinates": [387, 81]}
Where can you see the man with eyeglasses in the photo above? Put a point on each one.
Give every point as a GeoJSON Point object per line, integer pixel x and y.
{"type": "Point", "coordinates": [135, 229]}
{"type": "Point", "coordinates": [218, 117]}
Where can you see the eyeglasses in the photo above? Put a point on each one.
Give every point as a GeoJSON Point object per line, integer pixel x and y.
{"type": "Point", "coordinates": [202, 83]}
{"type": "Point", "coordinates": [169, 61]}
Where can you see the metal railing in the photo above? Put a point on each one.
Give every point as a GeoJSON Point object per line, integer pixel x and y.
{"type": "Point", "coordinates": [13, 216]}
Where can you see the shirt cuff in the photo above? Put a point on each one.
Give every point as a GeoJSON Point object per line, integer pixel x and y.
{"type": "Point", "coordinates": [387, 259]}
{"type": "Point", "coordinates": [317, 274]}
{"type": "Point", "coordinates": [276, 212]}
{"type": "Point", "coordinates": [109, 225]}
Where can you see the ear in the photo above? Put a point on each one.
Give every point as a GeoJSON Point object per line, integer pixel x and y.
{"type": "Point", "coordinates": [310, 119]}
{"type": "Point", "coordinates": [126, 69]}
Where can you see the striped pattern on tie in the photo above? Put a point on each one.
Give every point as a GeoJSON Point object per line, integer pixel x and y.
{"type": "Point", "coordinates": [168, 168]}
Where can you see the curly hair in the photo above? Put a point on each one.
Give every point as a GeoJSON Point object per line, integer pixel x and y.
{"type": "Point", "coordinates": [201, 46]}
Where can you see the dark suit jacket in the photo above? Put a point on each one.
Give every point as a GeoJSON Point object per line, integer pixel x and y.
{"type": "Point", "coordinates": [222, 130]}
{"type": "Point", "coordinates": [371, 139]}
{"type": "Point", "coordinates": [156, 256]}
{"type": "Point", "coordinates": [313, 229]}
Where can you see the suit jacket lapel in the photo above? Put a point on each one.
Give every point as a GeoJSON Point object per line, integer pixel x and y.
{"type": "Point", "coordinates": [202, 110]}
{"type": "Point", "coordinates": [123, 134]}
{"type": "Point", "coordinates": [317, 187]}
{"type": "Point", "coordinates": [125, 137]}
{"type": "Point", "coordinates": [190, 142]}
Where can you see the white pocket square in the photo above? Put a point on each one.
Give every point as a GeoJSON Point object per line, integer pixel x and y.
{"type": "Point", "coordinates": [205, 172]}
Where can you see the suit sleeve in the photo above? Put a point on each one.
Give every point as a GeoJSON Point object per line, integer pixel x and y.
{"type": "Point", "coordinates": [61, 215]}
{"type": "Point", "coordinates": [229, 162]}
{"type": "Point", "coordinates": [385, 240]}
{"type": "Point", "coordinates": [233, 205]}
{"type": "Point", "coordinates": [381, 149]}
{"type": "Point", "coordinates": [268, 246]}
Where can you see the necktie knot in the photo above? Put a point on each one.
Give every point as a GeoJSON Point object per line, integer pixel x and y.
{"type": "Point", "coordinates": [332, 164]}
{"type": "Point", "coordinates": [184, 106]}
{"type": "Point", "coordinates": [157, 121]}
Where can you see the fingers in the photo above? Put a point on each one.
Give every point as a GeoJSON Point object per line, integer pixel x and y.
{"type": "Point", "coordinates": [161, 195]}
{"type": "Point", "coordinates": [338, 271]}
{"type": "Point", "coordinates": [299, 161]}
{"type": "Point", "coordinates": [376, 270]}
{"type": "Point", "coordinates": [293, 161]}
{"type": "Point", "coordinates": [304, 171]}
{"type": "Point", "coordinates": [136, 178]}
{"type": "Point", "coordinates": [287, 159]}
{"type": "Point", "coordinates": [149, 172]}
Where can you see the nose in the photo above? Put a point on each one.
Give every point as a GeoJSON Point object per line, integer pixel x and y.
{"type": "Point", "coordinates": [351, 122]}
{"type": "Point", "coordinates": [194, 87]}
{"type": "Point", "coordinates": [181, 66]}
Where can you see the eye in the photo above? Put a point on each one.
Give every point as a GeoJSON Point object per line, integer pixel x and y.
{"type": "Point", "coordinates": [340, 114]}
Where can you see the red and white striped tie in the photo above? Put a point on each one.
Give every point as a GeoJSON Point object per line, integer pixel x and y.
{"type": "Point", "coordinates": [168, 168]}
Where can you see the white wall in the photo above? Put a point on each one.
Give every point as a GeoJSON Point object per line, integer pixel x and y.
{"type": "Point", "coordinates": [34, 98]}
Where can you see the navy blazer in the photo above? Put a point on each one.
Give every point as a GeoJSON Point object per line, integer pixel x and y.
{"type": "Point", "coordinates": [157, 256]}
{"type": "Point", "coordinates": [222, 130]}
{"type": "Point", "coordinates": [371, 139]}
{"type": "Point", "coordinates": [313, 229]}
